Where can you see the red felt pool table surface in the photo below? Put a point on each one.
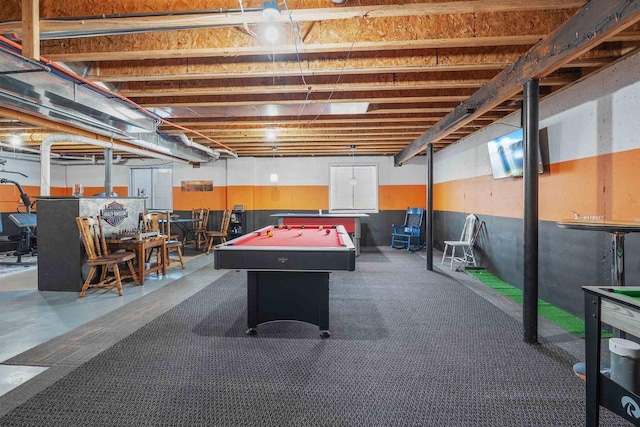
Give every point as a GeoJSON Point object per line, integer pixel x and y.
{"type": "Point", "coordinates": [311, 236]}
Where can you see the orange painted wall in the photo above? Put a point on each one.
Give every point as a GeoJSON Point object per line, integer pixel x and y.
{"type": "Point", "coordinates": [187, 200]}
{"type": "Point", "coordinates": [399, 197]}
{"type": "Point", "coordinates": [390, 197]}
{"type": "Point", "coordinates": [10, 196]}
{"type": "Point", "coordinates": [605, 185]}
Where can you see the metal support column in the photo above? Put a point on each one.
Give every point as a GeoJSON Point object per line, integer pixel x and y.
{"type": "Point", "coordinates": [617, 259]}
{"type": "Point", "coordinates": [429, 224]}
{"type": "Point", "coordinates": [108, 171]}
{"type": "Point", "coordinates": [530, 262]}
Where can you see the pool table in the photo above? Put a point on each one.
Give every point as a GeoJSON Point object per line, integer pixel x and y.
{"type": "Point", "coordinates": [288, 270]}
{"type": "Point", "coordinates": [350, 221]}
{"type": "Point", "coordinates": [618, 307]}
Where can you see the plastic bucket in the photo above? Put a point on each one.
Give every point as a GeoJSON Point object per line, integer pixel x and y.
{"type": "Point", "coordinates": [625, 363]}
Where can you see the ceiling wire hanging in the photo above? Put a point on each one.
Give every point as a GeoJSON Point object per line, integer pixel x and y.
{"type": "Point", "coordinates": [353, 181]}
{"type": "Point", "coordinates": [274, 176]}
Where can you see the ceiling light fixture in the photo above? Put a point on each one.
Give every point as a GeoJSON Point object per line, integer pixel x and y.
{"type": "Point", "coordinates": [274, 176]}
{"type": "Point", "coordinates": [15, 139]}
{"type": "Point", "coordinates": [271, 12]}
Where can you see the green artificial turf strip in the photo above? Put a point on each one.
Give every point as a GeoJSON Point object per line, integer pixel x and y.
{"type": "Point", "coordinates": [568, 321]}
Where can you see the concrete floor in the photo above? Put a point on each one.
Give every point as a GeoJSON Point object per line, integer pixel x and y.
{"type": "Point", "coordinates": [29, 317]}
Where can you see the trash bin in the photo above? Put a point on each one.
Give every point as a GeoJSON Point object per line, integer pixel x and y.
{"type": "Point", "coordinates": [625, 363]}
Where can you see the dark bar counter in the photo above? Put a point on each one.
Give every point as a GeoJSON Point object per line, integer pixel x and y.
{"type": "Point", "coordinates": [61, 255]}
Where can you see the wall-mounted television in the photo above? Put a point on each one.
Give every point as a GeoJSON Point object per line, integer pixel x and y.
{"type": "Point", "coordinates": [507, 155]}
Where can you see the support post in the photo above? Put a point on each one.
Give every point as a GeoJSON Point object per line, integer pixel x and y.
{"type": "Point", "coordinates": [530, 175]}
{"type": "Point", "coordinates": [108, 172]}
{"type": "Point", "coordinates": [429, 231]}
{"type": "Point", "coordinates": [31, 29]}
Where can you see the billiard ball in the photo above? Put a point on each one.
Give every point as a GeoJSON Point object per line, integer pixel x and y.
{"type": "Point", "coordinates": [327, 231]}
{"type": "Point", "coordinates": [259, 233]}
{"type": "Point", "coordinates": [270, 233]}
{"type": "Point", "coordinates": [320, 227]}
{"type": "Point", "coordinates": [299, 233]}
{"type": "Point", "coordinates": [288, 227]}
{"type": "Point", "coordinates": [280, 227]}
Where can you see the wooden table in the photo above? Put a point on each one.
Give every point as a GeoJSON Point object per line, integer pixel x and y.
{"type": "Point", "coordinates": [140, 247]}
{"type": "Point", "coordinates": [186, 227]}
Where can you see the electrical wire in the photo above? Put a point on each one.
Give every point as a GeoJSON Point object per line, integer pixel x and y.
{"type": "Point", "coordinates": [295, 44]}
{"type": "Point", "coordinates": [300, 63]}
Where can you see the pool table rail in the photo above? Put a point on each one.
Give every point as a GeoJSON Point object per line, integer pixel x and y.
{"type": "Point", "coordinates": [236, 255]}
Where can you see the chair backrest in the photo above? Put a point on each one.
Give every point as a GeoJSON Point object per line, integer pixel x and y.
{"type": "Point", "coordinates": [226, 218]}
{"type": "Point", "coordinates": [162, 220]}
{"type": "Point", "coordinates": [413, 217]}
{"type": "Point", "coordinates": [202, 215]}
{"type": "Point", "coordinates": [150, 221]}
{"type": "Point", "coordinates": [469, 229]}
{"type": "Point", "coordinates": [92, 237]}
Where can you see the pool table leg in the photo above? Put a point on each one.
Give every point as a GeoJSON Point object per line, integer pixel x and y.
{"type": "Point", "coordinates": [302, 296]}
{"type": "Point", "coordinates": [252, 303]}
{"type": "Point", "coordinates": [323, 306]}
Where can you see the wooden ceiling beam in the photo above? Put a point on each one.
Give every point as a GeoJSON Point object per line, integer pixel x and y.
{"type": "Point", "coordinates": [197, 123]}
{"type": "Point", "coordinates": [419, 62]}
{"type": "Point", "coordinates": [306, 49]}
{"type": "Point", "coordinates": [240, 89]}
{"type": "Point", "coordinates": [226, 19]}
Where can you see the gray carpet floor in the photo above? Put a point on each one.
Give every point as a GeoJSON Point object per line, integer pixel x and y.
{"type": "Point", "coordinates": [408, 347]}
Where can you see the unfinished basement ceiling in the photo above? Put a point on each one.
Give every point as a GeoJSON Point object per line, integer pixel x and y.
{"type": "Point", "coordinates": [371, 74]}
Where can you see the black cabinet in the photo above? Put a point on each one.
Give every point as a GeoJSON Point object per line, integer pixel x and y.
{"type": "Point", "coordinates": [61, 256]}
{"type": "Point", "coordinates": [236, 224]}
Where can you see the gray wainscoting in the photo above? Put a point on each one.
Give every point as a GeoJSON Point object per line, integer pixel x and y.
{"type": "Point", "coordinates": [568, 259]}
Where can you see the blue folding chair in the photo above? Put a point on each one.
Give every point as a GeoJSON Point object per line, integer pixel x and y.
{"type": "Point", "coordinates": [408, 234]}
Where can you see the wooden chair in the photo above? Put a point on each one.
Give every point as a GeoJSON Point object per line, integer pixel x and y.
{"type": "Point", "coordinates": [221, 234]}
{"type": "Point", "coordinates": [98, 255]}
{"type": "Point", "coordinates": [470, 232]}
{"type": "Point", "coordinates": [200, 226]}
{"type": "Point", "coordinates": [161, 222]}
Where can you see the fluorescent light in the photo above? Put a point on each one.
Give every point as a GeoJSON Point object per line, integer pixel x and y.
{"type": "Point", "coordinates": [273, 177]}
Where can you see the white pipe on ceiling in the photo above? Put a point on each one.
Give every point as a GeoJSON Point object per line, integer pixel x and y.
{"type": "Point", "coordinates": [213, 153]}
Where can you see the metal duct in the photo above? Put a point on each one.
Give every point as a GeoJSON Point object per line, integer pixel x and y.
{"type": "Point", "coordinates": [213, 153]}
{"type": "Point", "coordinates": [61, 160]}
{"type": "Point", "coordinates": [45, 155]}
{"type": "Point", "coordinates": [108, 171]}
{"type": "Point", "coordinates": [61, 97]}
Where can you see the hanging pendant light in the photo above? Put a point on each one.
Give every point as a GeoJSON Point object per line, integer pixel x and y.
{"type": "Point", "coordinates": [274, 176]}
{"type": "Point", "coordinates": [353, 180]}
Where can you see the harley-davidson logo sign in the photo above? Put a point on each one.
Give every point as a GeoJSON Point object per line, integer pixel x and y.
{"type": "Point", "coordinates": [114, 213]}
